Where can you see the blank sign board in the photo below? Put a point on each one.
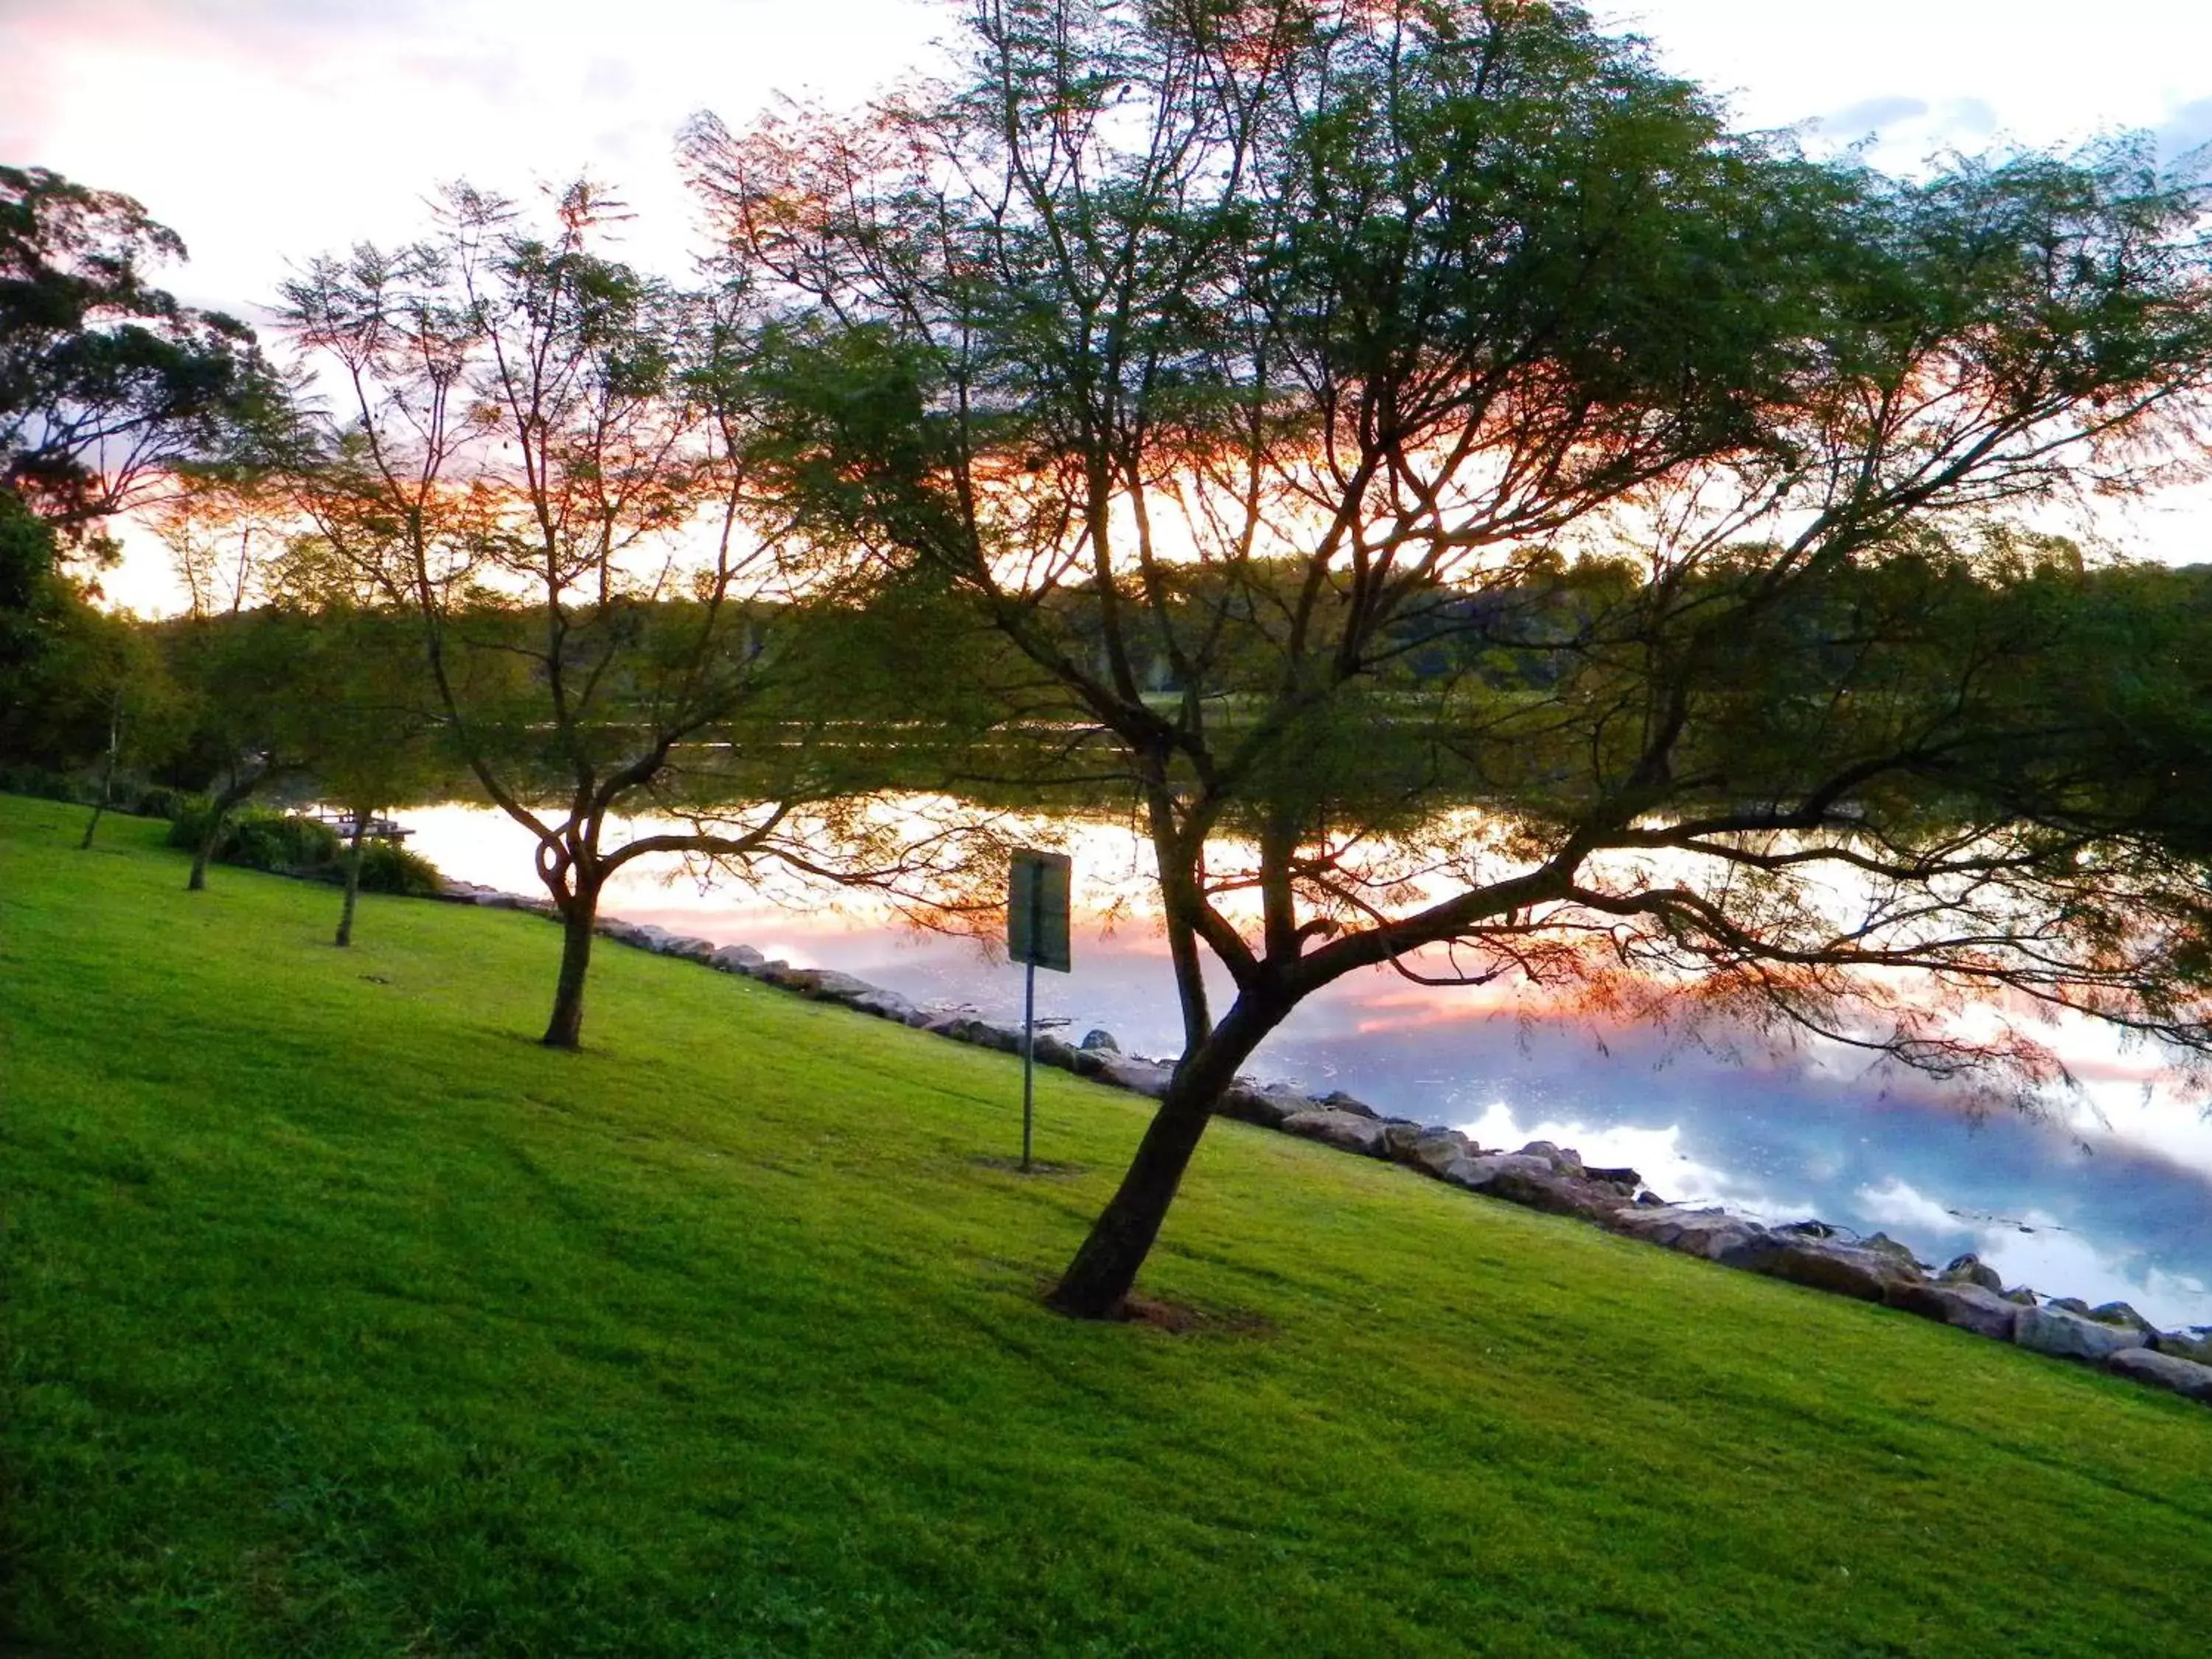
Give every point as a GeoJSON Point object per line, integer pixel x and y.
{"type": "Point", "coordinates": [1036, 909]}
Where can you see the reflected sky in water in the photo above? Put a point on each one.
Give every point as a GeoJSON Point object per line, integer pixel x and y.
{"type": "Point", "coordinates": [2111, 1201]}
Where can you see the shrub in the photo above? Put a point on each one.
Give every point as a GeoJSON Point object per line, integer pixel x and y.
{"type": "Point", "coordinates": [388, 867]}
{"type": "Point", "coordinates": [259, 838]}
{"type": "Point", "coordinates": [159, 801]}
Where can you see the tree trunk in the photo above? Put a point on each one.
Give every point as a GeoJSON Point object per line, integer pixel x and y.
{"type": "Point", "coordinates": [196, 881]}
{"type": "Point", "coordinates": [565, 1028]}
{"type": "Point", "coordinates": [107, 780]}
{"type": "Point", "coordinates": [352, 878]}
{"type": "Point", "coordinates": [1103, 1270]}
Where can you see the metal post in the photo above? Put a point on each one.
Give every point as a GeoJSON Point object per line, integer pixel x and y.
{"type": "Point", "coordinates": [1029, 1051]}
{"type": "Point", "coordinates": [1029, 1022]}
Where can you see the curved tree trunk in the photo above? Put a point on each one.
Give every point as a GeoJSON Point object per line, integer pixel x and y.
{"type": "Point", "coordinates": [107, 779]}
{"type": "Point", "coordinates": [565, 1028]}
{"type": "Point", "coordinates": [1105, 1268]}
{"type": "Point", "coordinates": [352, 878]}
{"type": "Point", "coordinates": [196, 881]}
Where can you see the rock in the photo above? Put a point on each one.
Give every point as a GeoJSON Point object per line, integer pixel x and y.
{"type": "Point", "coordinates": [650, 933]}
{"type": "Point", "coordinates": [828, 985]}
{"type": "Point", "coordinates": [1821, 1264]}
{"type": "Point", "coordinates": [1969, 1306]}
{"type": "Point", "coordinates": [2184, 1377]}
{"type": "Point", "coordinates": [1476, 1171]}
{"type": "Point", "coordinates": [2119, 1314]}
{"type": "Point", "coordinates": [1546, 1188]}
{"type": "Point", "coordinates": [1337, 1101]}
{"type": "Point", "coordinates": [1433, 1149]}
{"type": "Point", "coordinates": [1883, 1244]}
{"type": "Point", "coordinates": [736, 959]}
{"type": "Point", "coordinates": [689, 949]}
{"type": "Point", "coordinates": [1400, 1136]}
{"type": "Point", "coordinates": [1347, 1131]}
{"type": "Point", "coordinates": [1099, 1037]}
{"type": "Point", "coordinates": [1807, 1230]}
{"type": "Point", "coordinates": [621, 931]}
{"type": "Point", "coordinates": [1707, 1232]}
{"type": "Point", "coordinates": [1144, 1077]}
{"type": "Point", "coordinates": [884, 1005]}
{"type": "Point", "coordinates": [2069, 1336]}
{"type": "Point", "coordinates": [1627, 1180]}
{"type": "Point", "coordinates": [979, 1033]}
{"type": "Point", "coordinates": [1971, 1270]}
{"type": "Point", "coordinates": [1266, 1104]}
{"type": "Point", "coordinates": [2185, 1344]}
{"type": "Point", "coordinates": [2020, 1294]}
{"type": "Point", "coordinates": [2073, 1305]}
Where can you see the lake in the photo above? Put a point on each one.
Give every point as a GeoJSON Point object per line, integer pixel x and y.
{"type": "Point", "coordinates": [2109, 1200]}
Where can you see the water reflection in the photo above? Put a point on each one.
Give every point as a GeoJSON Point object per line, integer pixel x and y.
{"type": "Point", "coordinates": [2114, 1201]}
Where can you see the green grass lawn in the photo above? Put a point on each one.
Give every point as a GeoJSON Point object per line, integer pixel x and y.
{"type": "Point", "coordinates": [339, 1318]}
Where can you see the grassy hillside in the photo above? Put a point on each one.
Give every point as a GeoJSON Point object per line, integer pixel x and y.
{"type": "Point", "coordinates": [339, 1318]}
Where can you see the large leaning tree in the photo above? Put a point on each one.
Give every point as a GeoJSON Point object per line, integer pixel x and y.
{"type": "Point", "coordinates": [541, 455]}
{"type": "Point", "coordinates": [1497, 519]}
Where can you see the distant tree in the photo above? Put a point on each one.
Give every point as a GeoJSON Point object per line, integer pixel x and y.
{"type": "Point", "coordinates": [246, 677]}
{"type": "Point", "coordinates": [541, 459]}
{"type": "Point", "coordinates": [108, 384]}
{"type": "Point", "coordinates": [1229, 355]}
{"type": "Point", "coordinates": [368, 728]}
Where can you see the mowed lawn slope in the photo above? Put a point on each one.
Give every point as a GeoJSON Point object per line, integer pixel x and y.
{"type": "Point", "coordinates": [339, 1318]}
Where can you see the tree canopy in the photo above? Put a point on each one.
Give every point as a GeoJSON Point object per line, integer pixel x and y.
{"type": "Point", "coordinates": [1231, 354]}
{"type": "Point", "coordinates": [107, 381]}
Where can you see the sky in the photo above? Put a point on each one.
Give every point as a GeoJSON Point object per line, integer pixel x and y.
{"type": "Point", "coordinates": [266, 131]}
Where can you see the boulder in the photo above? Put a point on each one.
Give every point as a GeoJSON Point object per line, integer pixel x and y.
{"type": "Point", "coordinates": [2195, 1345]}
{"type": "Point", "coordinates": [2073, 1305]}
{"type": "Point", "coordinates": [1971, 1270]}
{"type": "Point", "coordinates": [1347, 1131]}
{"type": "Point", "coordinates": [828, 985]}
{"type": "Point", "coordinates": [736, 959]}
{"type": "Point", "coordinates": [1545, 1189]}
{"type": "Point", "coordinates": [1883, 1244]}
{"type": "Point", "coordinates": [1627, 1180]}
{"type": "Point", "coordinates": [1821, 1264]}
{"type": "Point", "coordinates": [1144, 1077]}
{"type": "Point", "coordinates": [1400, 1136]}
{"type": "Point", "coordinates": [1564, 1160]}
{"type": "Point", "coordinates": [2067, 1335]}
{"type": "Point", "coordinates": [884, 1005]}
{"type": "Point", "coordinates": [2122, 1316]}
{"type": "Point", "coordinates": [1815, 1229]}
{"type": "Point", "coordinates": [1264, 1104]}
{"type": "Point", "coordinates": [649, 934]}
{"type": "Point", "coordinates": [1337, 1101]}
{"type": "Point", "coordinates": [1970, 1307]}
{"type": "Point", "coordinates": [1099, 1037]}
{"type": "Point", "coordinates": [1433, 1149]}
{"type": "Point", "coordinates": [2184, 1377]}
{"type": "Point", "coordinates": [688, 949]}
{"type": "Point", "coordinates": [1709, 1232]}
{"type": "Point", "coordinates": [2021, 1294]}
{"type": "Point", "coordinates": [979, 1033]}
{"type": "Point", "coordinates": [621, 931]}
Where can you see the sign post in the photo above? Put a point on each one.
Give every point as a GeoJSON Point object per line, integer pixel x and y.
{"type": "Point", "coordinates": [1037, 886]}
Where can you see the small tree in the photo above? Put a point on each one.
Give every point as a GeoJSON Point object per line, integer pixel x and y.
{"type": "Point", "coordinates": [542, 459]}
{"type": "Point", "coordinates": [1472, 496]}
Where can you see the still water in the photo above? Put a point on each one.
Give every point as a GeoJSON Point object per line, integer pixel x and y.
{"type": "Point", "coordinates": [2110, 1199]}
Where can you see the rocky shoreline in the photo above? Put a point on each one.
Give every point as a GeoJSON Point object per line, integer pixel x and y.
{"type": "Point", "coordinates": [1966, 1294]}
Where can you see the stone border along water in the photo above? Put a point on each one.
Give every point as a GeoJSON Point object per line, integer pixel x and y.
{"type": "Point", "coordinates": [1966, 1294]}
